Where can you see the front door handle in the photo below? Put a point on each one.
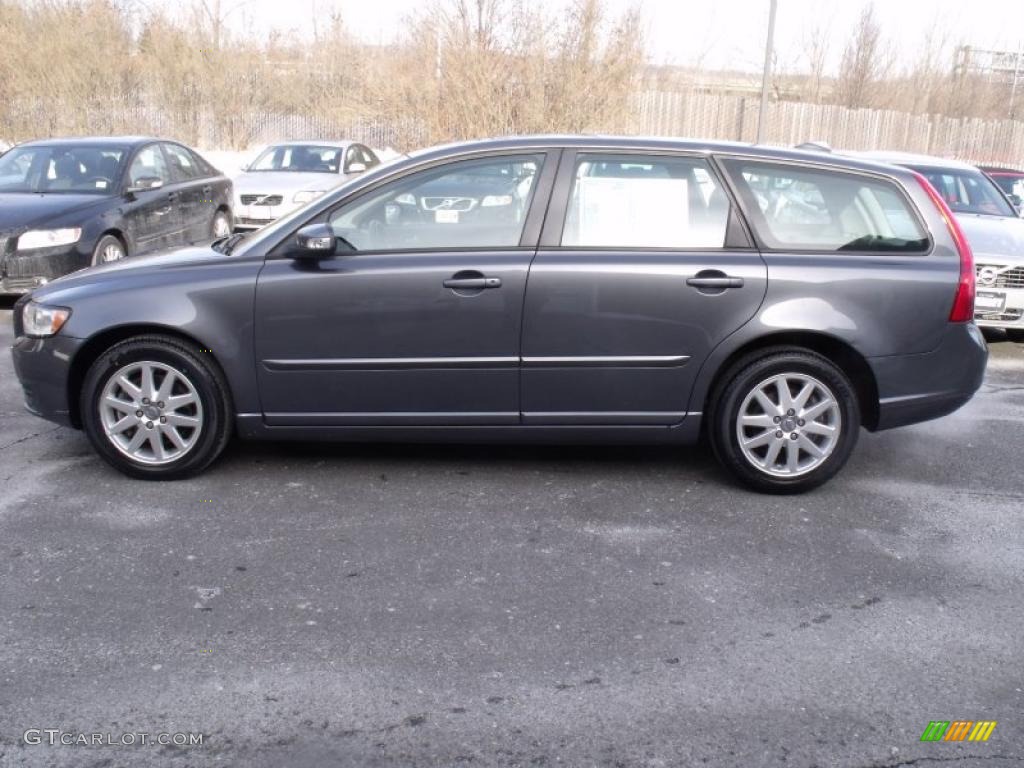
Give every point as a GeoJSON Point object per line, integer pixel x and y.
{"type": "Point", "coordinates": [472, 283]}
{"type": "Point", "coordinates": [720, 283]}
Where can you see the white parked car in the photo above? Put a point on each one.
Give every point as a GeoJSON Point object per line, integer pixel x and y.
{"type": "Point", "coordinates": [286, 176]}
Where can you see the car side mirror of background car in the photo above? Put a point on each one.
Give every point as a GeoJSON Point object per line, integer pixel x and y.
{"type": "Point", "coordinates": [315, 241]}
{"type": "Point", "coordinates": [356, 167]}
{"type": "Point", "coordinates": [145, 183]}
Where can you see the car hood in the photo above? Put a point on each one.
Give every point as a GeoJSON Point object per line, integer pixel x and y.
{"type": "Point", "coordinates": [266, 182]}
{"type": "Point", "coordinates": [994, 237]}
{"type": "Point", "coordinates": [21, 210]}
{"type": "Point", "coordinates": [178, 257]}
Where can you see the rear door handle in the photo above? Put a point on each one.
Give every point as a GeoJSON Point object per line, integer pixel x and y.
{"type": "Point", "coordinates": [715, 282]}
{"type": "Point", "coordinates": [472, 283]}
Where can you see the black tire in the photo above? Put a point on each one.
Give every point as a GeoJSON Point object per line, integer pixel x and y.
{"type": "Point", "coordinates": [221, 218]}
{"type": "Point", "coordinates": [1015, 335]}
{"type": "Point", "coordinates": [108, 243]}
{"type": "Point", "coordinates": [201, 372]}
{"type": "Point", "coordinates": [742, 380]}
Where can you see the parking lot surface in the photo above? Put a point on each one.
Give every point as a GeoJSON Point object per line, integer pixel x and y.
{"type": "Point", "coordinates": [420, 606]}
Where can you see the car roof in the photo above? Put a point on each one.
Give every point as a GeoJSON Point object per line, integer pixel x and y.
{"type": "Point", "coordinates": [656, 144]}
{"type": "Point", "coordinates": [911, 158]}
{"type": "Point", "coordinates": [119, 141]}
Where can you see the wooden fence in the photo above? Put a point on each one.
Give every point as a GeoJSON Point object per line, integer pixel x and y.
{"type": "Point", "coordinates": [717, 116]}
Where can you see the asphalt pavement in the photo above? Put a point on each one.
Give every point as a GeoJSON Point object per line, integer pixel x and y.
{"type": "Point", "coordinates": [304, 606]}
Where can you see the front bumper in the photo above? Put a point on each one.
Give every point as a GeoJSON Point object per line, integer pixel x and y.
{"type": "Point", "coordinates": [24, 271]}
{"type": "Point", "coordinates": [43, 367]}
{"type": "Point", "coordinates": [251, 217]}
{"type": "Point", "coordinates": [1011, 315]}
{"type": "Point", "coordinates": [915, 388]}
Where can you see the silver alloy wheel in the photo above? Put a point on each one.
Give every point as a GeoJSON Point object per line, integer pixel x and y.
{"type": "Point", "coordinates": [788, 425]}
{"type": "Point", "coordinates": [221, 226]}
{"type": "Point", "coordinates": [151, 412]}
{"type": "Point", "coordinates": [111, 252]}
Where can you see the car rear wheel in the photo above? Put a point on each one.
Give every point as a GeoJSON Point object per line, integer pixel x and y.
{"type": "Point", "coordinates": [221, 226]}
{"type": "Point", "coordinates": [784, 420]}
{"type": "Point", "coordinates": [154, 408]}
{"type": "Point", "coordinates": [108, 249]}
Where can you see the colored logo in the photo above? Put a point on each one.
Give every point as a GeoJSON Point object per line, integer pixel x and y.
{"type": "Point", "coordinates": [958, 730]}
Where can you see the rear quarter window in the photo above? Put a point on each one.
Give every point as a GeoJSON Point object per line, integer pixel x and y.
{"type": "Point", "coordinates": [810, 209]}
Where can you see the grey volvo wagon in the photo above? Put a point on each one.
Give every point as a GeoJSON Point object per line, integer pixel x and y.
{"type": "Point", "coordinates": [571, 289]}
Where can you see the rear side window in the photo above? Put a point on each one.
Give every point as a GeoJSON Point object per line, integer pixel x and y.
{"type": "Point", "coordinates": [807, 209]}
{"type": "Point", "coordinates": [645, 201]}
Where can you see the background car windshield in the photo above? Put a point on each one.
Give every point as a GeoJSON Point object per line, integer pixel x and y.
{"type": "Point", "coordinates": [1010, 184]}
{"type": "Point", "coordinates": [299, 158]}
{"type": "Point", "coordinates": [78, 169]}
{"type": "Point", "coordinates": [967, 191]}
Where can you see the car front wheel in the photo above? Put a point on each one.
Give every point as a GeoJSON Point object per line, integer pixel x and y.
{"type": "Point", "coordinates": [108, 249]}
{"type": "Point", "coordinates": [784, 421]}
{"type": "Point", "coordinates": [221, 226]}
{"type": "Point", "coordinates": [154, 408]}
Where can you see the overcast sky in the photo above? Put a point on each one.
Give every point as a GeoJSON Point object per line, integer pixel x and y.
{"type": "Point", "coordinates": [720, 33]}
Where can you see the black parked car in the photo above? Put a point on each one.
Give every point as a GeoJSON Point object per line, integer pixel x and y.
{"type": "Point", "coordinates": [69, 203]}
{"type": "Point", "coordinates": [633, 290]}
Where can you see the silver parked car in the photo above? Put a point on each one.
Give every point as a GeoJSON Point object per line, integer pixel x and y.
{"type": "Point", "coordinates": [287, 176]}
{"type": "Point", "coordinates": [993, 228]}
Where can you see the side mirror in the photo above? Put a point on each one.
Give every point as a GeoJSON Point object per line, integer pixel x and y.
{"type": "Point", "coordinates": [1017, 200]}
{"type": "Point", "coordinates": [144, 183]}
{"type": "Point", "coordinates": [356, 167]}
{"type": "Point", "coordinates": [315, 241]}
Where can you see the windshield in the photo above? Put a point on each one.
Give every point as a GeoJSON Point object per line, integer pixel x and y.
{"type": "Point", "coordinates": [968, 191]}
{"type": "Point", "coordinates": [1011, 183]}
{"type": "Point", "coordinates": [79, 169]}
{"type": "Point", "coordinates": [300, 158]}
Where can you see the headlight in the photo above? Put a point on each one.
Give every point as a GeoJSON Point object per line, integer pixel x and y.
{"type": "Point", "coordinates": [307, 195]}
{"type": "Point", "coordinates": [39, 320]}
{"type": "Point", "coordinates": [48, 238]}
{"type": "Point", "coordinates": [494, 200]}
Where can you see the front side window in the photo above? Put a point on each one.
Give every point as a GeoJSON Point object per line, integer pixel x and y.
{"type": "Point", "coordinates": [639, 201]}
{"type": "Point", "coordinates": [467, 204]}
{"type": "Point", "coordinates": [299, 158]}
{"type": "Point", "coordinates": [794, 208]}
{"type": "Point", "coordinates": [967, 191]}
{"type": "Point", "coordinates": [148, 169]}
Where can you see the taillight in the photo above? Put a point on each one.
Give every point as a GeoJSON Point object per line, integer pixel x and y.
{"type": "Point", "coordinates": [963, 302]}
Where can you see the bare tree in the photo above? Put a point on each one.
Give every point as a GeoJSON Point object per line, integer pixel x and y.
{"type": "Point", "coordinates": [866, 60]}
{"type": "Point", "coordinates": [816, 44]}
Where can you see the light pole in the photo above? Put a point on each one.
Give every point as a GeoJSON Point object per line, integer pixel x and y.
{"type": "Point", "coordinates": [766, 76]}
